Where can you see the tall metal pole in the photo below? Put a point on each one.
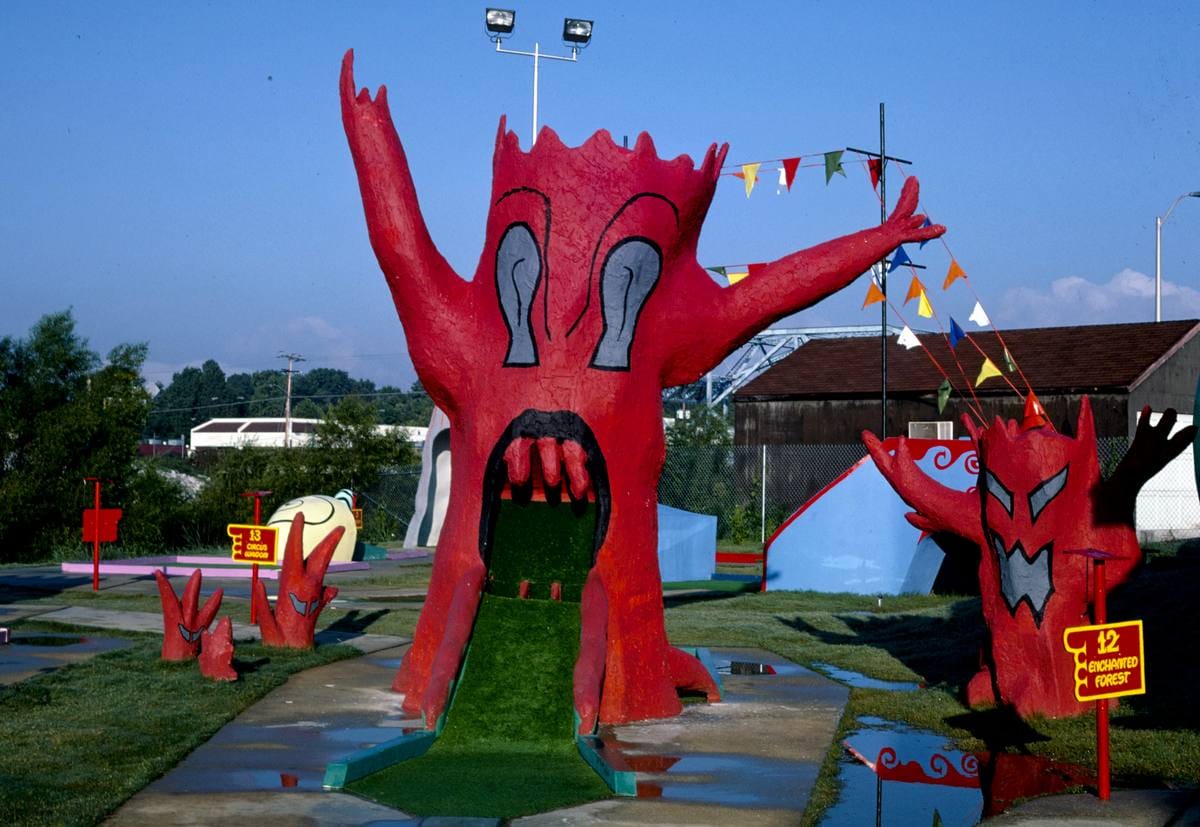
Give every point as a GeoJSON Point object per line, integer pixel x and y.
{"type": "Point", "coordinates": [536, 57]}
{"type": "Point", "coordinates": [883, 276]}
{"type": "Point", "coordinates": [287, 398]}
{"type": "Point", "coordinates": [1157, 268]}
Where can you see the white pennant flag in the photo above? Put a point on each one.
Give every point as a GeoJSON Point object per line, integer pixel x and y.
{"type": "Point", "coordinates": [907, 338]}
{"type": "Point", "coordinates": [978, 316]}
{"type": "Point", "coordinates": [782, 185]}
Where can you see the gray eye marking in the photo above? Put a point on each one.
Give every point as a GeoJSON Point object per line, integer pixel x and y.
{"type": "Point", "coordinates": [299, 605]}
{"type": "Point", "coordinates": [628, 276]}
{"type": "Point", "coordinates": [1002, 494]}
{"type": "Point", "coordinates": [188, 635]}
{"type": "Point", "coordinates": [518, 272]}
{"type": "Point", "coordinates": [1041, 496]}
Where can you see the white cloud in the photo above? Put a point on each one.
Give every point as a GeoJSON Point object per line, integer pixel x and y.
{"type": "Point", "coordinates": [1126, 297]}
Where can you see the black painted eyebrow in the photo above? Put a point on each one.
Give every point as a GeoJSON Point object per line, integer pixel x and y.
{"type": "Point", "coordinates": [596, 252]}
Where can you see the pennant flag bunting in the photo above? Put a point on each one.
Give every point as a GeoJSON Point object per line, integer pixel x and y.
{"type": "Point", "coordinates": [720, 271]}
{"type": "Point", "coordinates": [955, 272]}
{"type": "Point", "coordinates": [734, 278]}
{"type": "Point", "coordinates": [943, 394]}
{"type": "Point", "coordinates": [789, 171]}
{"type": "Point", "coordinates": [750, 175]}
{"type": "Point", "coordinates": [927, 223]}
{"type": "Point", "coordinates": [899, 257]}
{"type": "Point", "coordinates": [979, 317]}
{"type": "Point", "coordinates": [924, 308]}
{"type": "Point", "coordinates": [986, 372]}
{"type": "Point", "coordinates": [873, 166]}
{"type": "Point", "coordinates": [907, 339]}
{"type": "Point", "coordinates": [874, 295]}
{"type": "Point", "coordinates": [833, 164]}
{"type": "Point", "coordinates": [915, 290]}
{"type": "Point", "coordinates": [956, 333]}
{"type": "Point", "coordinates": [1009, 364]}
{"type": "Point", "coordinates": [783, 182]}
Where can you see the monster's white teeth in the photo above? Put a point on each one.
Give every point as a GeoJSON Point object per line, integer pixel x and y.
{"type": "Point", "coordinates": [556, 460]}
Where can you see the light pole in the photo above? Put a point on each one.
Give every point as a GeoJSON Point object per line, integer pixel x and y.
{"type": "Point", "coordinates": [576, 33]}
{"type": "Point", "coordinates": [1158, 222]}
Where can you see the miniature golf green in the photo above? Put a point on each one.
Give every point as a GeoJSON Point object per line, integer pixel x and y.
{"type": "Point", "coordinates": [508, 747]}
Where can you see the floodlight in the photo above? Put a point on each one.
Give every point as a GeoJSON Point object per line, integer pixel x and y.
{"type": "Point", "coordinates": [577, 32]}
{"type": "Point", "coordinates": [500, 22]}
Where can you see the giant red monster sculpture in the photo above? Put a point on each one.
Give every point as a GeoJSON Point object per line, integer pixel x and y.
{"type": "Point", "coordinates": [183, 622]}
{"type": "Point", "coordinates": [302, 591]}
{"type": "Point", "coordinates": [1040, 497]}
{"type": "Point", "coordinates": [550, 363]}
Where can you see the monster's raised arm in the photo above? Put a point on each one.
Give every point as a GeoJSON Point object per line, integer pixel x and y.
{"type": "Point", "coordinates": [430, 297]}
{"type": "Point", "coordinates": [716, 320]}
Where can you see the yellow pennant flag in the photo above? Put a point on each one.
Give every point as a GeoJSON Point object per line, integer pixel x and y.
{"type": "Point", "coordinates": [750, 174]}
{"type": "Point", "coordinates": [915, 290]}
{"type": "Point", "coordinates": [955, 272]}
{"type": "Point", "coordinates": [986, 372]}
{"type": "Point", "coordinates": [874, 296]}
{"type": "Point", "coordinates": [734, 278]}
{"type": "Point", "coordinates": [924, 308]}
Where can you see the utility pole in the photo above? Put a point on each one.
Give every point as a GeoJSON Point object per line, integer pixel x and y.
{"type": "Point", "coordinates": [287, 399]}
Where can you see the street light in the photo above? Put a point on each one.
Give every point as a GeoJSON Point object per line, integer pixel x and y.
{"type": "Point", "coordinates": [577, 33]}
{"type": "Point", "coordinates": [1158, 222]}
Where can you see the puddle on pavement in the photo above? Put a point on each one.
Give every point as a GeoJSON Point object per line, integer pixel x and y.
{"type": "Point", "coordinates": [894, 774]}
{"type": "Point", "coordinates": [34, 653]}
{"type": "Point", "coordinates": [861, 681]}
{"type": "Point", "coordinates": [746, 667]}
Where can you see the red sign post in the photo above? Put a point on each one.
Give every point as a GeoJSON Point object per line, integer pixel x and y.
{"type": "Point", "coordinates": [257, 495]}
{"type": "Point", "coordinates": [1109, 663]}
{"type": "Point", "coordinates": [99, 526]}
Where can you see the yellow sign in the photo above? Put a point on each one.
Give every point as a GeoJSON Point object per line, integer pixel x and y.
{"type": "Point", "coordinates": [1109, 660]}
{"type": "Point", "coordinates": [253, 544]}
{"type": "Point", "coordinates": [358, 520]}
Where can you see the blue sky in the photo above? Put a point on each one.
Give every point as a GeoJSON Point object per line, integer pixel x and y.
{"type": "Point", "coordinates": [177, 173]}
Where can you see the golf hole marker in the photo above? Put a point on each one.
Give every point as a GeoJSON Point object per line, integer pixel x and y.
{"type": "Point", "coordinates": [253, 544]}
{"type": "Point", "coordinates": [1109, 660]}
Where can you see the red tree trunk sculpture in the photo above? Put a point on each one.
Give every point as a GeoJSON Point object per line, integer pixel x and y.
{"type": "Point", "coordinates": [182, 623]}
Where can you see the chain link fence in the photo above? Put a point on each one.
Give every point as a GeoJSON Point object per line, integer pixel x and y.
{"type": "Point", "coordinates": [751, 489]}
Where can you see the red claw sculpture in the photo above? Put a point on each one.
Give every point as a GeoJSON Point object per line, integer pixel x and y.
{"type": "Point", "coordinates": [216, 652]}
{"type": "Point", "coordinates": [182, 624]}
{"type": "Point", "coordinates": [587, 302]}
{"type": "Point", "coordinates": [302, 593]}
{"type": "Point", "coordinates": [1040, 497]}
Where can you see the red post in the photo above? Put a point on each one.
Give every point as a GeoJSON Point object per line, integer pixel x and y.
{"type": "Point", "coordinates": [1100, 612]}
{"type": "Point", "coordinates": [257, 495]}
{"type": "Point", "coordinates": [96, 540]}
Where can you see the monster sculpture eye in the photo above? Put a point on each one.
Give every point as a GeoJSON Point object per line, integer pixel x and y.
{"type": "Point", "coordinates": [1041, 496]}
{"type": "Point", "coordinates": [518, 270]}
{"type": "Point", "coordinates": [630, 272]}
{"type": "Point", "coordinates": [1002, 494]}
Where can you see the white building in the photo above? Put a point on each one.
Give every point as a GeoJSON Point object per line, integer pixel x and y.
{"type": "Point", "coordinates": [267, 432]}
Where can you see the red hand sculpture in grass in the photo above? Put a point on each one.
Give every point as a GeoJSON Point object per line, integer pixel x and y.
{"type": "Point", "coordinates": [182, 624]}
{"type": "Point", "coordinates": [302, 591]}
{"type": "Point", "coordinates": [587, 302]}
{"type": "Point", "coordinates": [216, 652]}
{"type": "Point", "coordinates": [1040, 496]}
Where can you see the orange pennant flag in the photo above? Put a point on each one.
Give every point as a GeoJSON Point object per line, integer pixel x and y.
{"type": "Point", "coordinates": [955, 272]}
{"type": "Point", "coordinates": [915, 290]}
{"type": "Point", "coordinates": [924, 308]}
{"type": "Point", "coordinates": [874, 295]}
{"type": "Point", "coordinates": [750, 175]}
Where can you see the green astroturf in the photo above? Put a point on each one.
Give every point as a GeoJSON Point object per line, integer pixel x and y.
{"type": "Point", "coordinates": [508, 748]}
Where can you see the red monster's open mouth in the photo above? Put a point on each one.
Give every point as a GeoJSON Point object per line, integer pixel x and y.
{"type": "Point", "coordinates": [546, 505]}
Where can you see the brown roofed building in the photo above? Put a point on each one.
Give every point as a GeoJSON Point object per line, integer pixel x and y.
{"type": "Point", "coordinates": [828, 390]}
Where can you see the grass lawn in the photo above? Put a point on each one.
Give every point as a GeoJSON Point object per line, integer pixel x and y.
{"type": "Point", "coordinates": [81, 740]}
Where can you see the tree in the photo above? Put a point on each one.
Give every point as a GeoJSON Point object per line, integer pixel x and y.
{"type": "Point", "coordinates": [63, 417]}
{"type": "Point", "coordinates": [348, 438]}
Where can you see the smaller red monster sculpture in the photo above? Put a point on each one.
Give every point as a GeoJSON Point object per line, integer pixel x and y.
{"type": "Point", "coordinates": [302, 593]}
{"type": "Point", "coordinates": [1040, 497]}
{"type": "Point", "coordinates": [182, 624]}
{"type": "Point", "coordinates": [216, 652]}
